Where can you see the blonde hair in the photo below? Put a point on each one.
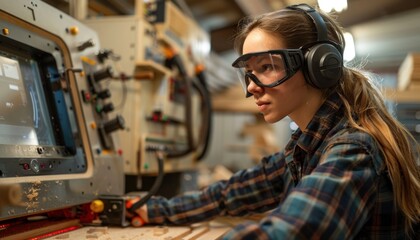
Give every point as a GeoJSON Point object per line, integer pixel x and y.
{"type": "Point", "coordinates": [361, 98]}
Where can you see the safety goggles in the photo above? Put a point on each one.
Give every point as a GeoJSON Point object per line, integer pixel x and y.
{"type": "Point", "coordinates": [267, 69]}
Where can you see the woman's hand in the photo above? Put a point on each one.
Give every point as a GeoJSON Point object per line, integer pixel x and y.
{"type": "Point", "coordinates": [140, 217]}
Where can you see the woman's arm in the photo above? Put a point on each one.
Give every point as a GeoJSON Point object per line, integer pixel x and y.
{"type": "Point", "coordinates": [256, 189]}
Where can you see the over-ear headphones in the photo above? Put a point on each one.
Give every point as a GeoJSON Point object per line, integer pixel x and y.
{"type": "Point", "coordinates": [323, 59]}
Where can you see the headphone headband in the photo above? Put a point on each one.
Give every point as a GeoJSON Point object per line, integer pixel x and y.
{"type": "Point", "coordinates": [321, 27]}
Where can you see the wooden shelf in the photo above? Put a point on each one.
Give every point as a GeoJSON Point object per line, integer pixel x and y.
{"type": "Point", "coordinates": [156, 70]}
{"type": "Point", "coordinates": [409, 71]}
{"type": "Point", "coordinates": [233, 100]}
{"type": "Point", "coordinates": [411, 95]}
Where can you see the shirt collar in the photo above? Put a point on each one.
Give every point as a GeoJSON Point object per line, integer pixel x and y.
{"type": "Point", "coordinates": [325, 119]}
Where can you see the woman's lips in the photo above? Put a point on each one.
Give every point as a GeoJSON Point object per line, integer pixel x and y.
{"type": "Point", "coordinates": [262, 106]}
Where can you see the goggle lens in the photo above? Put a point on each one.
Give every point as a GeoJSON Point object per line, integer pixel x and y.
{"type": "Point", "coordinates": [266, 69]}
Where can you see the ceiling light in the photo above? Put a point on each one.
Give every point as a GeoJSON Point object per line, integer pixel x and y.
{"type": "Point", "coordinates": [328, 5]}
{"type": "Point", "coordinates": [349, 50]}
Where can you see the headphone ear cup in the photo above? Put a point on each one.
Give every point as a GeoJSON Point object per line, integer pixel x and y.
{"type": "Point", "coordinates": [324, 65]}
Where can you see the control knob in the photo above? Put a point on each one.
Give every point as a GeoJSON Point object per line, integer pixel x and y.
{"type": "Point", "coordinates": [85, 45]}
{"type": "Point", "coordinates": [115, 124]}
{"type": "Point", "coordinates": [105, 108]}
{"type": "Point", "coordinates": [104, 94]}
{"type": "Point", "coordinates": [102, 74]}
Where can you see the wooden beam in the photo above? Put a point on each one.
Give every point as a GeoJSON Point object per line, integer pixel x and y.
{"type": "Point", "coordinates": [411, 95]}
{"type": "Point", "coordinates": [222, 39]}
{"type": "Point", "coordinates": [102, 9]}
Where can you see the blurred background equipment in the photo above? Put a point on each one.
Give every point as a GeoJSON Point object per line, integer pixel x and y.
{"type": "Point", "coordinates": [165, 97]}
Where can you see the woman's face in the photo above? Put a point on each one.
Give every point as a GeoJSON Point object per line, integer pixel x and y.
{"type": "Point", "coordinates": [293, 98]}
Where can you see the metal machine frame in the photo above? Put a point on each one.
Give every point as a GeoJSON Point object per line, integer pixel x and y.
{"type": "Point", "coordinates": [74, 47]}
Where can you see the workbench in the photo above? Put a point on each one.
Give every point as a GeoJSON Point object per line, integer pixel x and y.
{"type": "Point", "coordinates": [201, 231]}
{"type": "Point", "coordinates": [72, 229]}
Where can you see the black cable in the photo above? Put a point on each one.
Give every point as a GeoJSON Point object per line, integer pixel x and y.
{"type": "Point", "coordinates": [201, 86]}
{"type": "Point", "coordinates": [207, 113]}
{"type": "Point", "coordinates": [188, 124]}
{"type": "Point", "coordinates": [176, 62]}
{"type": "Point", "coordinates": [155, 187]}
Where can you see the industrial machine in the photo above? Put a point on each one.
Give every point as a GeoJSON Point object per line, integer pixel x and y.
{"type": "Point", "coordinates": [56, 133]}
{"type": "Point", "coordinates": [83, 107]}
{"type": "Point", "coordinates": [165, 102]}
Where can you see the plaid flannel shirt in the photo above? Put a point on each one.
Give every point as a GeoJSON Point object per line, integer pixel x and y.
{"type": "Point", "coordinates": [330, 182]}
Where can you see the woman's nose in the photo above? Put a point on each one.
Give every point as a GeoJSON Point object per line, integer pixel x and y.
{"type": "Point", "coordinates": [253, 87]}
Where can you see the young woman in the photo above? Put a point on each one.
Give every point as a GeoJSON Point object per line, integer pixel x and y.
{"type": "Point", "coordinates": [350, 170]}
